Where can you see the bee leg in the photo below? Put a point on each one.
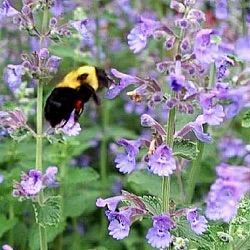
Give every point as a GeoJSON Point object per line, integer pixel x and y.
{"type": "Point", "coordinates": [77, 114]}
{"type": "Point", "coordinates": [96, 99]}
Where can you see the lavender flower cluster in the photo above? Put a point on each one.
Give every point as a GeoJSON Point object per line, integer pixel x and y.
{"type": "Point", "coordinates": [32, 183]}
{"type": "Point", "coordinates": [198, 76]}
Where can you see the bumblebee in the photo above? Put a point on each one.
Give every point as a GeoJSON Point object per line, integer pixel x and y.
{"type": "Point", "coordinates": [73, 92]}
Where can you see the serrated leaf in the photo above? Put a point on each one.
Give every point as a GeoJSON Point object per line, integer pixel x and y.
{"type": "Point", "coordinates": [153, 204]}
{"type": "Point", "coordinates": [49, 212]}
{"type": "Point", "coordinates": [81, 176]}
{"type": "Point", "coordinates": [184, 230]}
{"type": "Point", "coordinates": [185, 149]}
{"type": "Point", "coordinates": [246, 120]}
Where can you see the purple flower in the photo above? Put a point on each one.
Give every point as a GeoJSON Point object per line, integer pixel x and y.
{"type": "Point", "coordinates": [53, 64]}
{"type": "Point", "coordinates": [197, 222]}
{"type": "Point", "coordinates": [126, 162]}
{"type": "Point", "coordinates": [242, 49]}
{"type": "Point", "coordinates": [57, 8]}
{"type": "Point", "coordinates": [197, 128]}
{"type": "Point", "coordinates": [31, 184]}
{"type": "Point", "coordinates": [221, 9]}
{"type": "Point", "coordinates": [231, 147]}
{"type": "Point", "coordinates": [227, 191]}
{"type": "Point", "coordinates": [125, 80]}
{"type": "Point", "coordinates": [1, 178]}
{"type": "Point", "coordinates": [7, 10]}
{"type": "Point", "coordinates": [111, 202]}
{"type": "Point", "coordinates": [49, 178]}
{"type": "Point", "coordinates": [213, 115]}
{"type": "Point", "coordinates": [13, 120]}
{"type": "Point", "coordinates": [148, 121]}
{"type": "Point", "coordinates": [71, 128]}
{"type": "Point", "coordinates": [82, 27]}
{"type": "Point", "coordinates": [204, 50]}
{"type": "Point", "coordinates": [13, 76]}
{"type": "Point", "coordinates": [119, 223]}
{"type": "Point", "coordinates": [176, 82]}
{"type": "Point", "coordinates": [137, 38]}
{"type": "Point", "coordinates": [162, 161]}
{"type": "Point", "coordinates": [7, 247]}
{"type": "Point", "coordinates": [158, 236]}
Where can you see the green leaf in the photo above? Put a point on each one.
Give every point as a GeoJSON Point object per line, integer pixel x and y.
{"type": "Point", "coordinates": [246, 120]}
{"type": "Point", "coordinates": [153, 204]}
{"type": "Point", "coordinates": [81, 176]}
{"type": "Point", "coordinates": [49, 212]}
{"type": "Point", "coordinates": [185, 149]}
{"type": "Point", "coordinates": [52, 233]}
{"type": "Point", "coordinates": [82, 201]}
{"type": "Point", "coordinates": [184, 230]}
{"type": "Point", "coordinates": [146, 182]}
{"type": "Point", "coordinates": [6, 224]}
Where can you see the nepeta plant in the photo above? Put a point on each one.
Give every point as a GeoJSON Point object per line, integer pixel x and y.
{"type": "Point", "coordinates": [198, 80]}
{"type": "Point", "coordinates": [41, 66]}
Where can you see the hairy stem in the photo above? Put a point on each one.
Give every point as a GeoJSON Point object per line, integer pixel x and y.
{"type": "Point", "coordinates": [39, 130]}
{"type": "Point", "coordinates": [195, 167]}
{"type": "Point", "coordinates": [166, 179]}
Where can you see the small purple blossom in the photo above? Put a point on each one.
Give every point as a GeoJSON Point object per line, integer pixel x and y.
{"type": "Point", "coordinates": [13, 76]}
{"type": "Point", "coordinates": [7, 10]}
{"type": "Point", "coordinates": [53, 64]}
{"type": "Point", "coordinates": [49, 178]}
{"type": "Point", "coordinates": [111, 202]}
{"type": "Point", "coordinates": [125, 81]}
{"type": "Point", "coordinates": [158, 236]}
{"type": "Point", "coordinates": [7, 247]}
{"type": "Point", "coordinates": [119, 226]}
{"type": "Point", "coordinates": [227, 191]}
{"type": "Point", "coordinates": [176, 82]}
{"type": "Point", "coordinates": [169, 43]}
{"type": "Point", "coordinates": [205, 51]}
{"type": "Point", "coordinates": [82, 27]}
{"type": "Point", "coordinates": [197, 128]}
{"type": "Point", "coordinates": [197, 222]}
{"type": "Point", "coordinates": [242, 49]}
{"type": "Point", "coordinates": [231, 147]}
{"type": "Point", "coordinates": [32, 183]}
{"type": "Point", "coordinates": [1, 178]}
{"type": "Point", "coordinates": [138, 36]}
{"type": "Point", "coordinates": [148, 121]}
{"type": "Point", "coordinates": [213, 115]}
{"type": "Point", "coordinates": [13, 120]}
{"type": "Point", "coordinates": [137, 39]}
{"type": "Point", "coordinates": [221, 9]}
{"type": "Point", "coordinates": [162, 161]}
{"type": "Point", "coordinates": [126, 163]}
{"type": "Point", "coordinates": [71, 128]}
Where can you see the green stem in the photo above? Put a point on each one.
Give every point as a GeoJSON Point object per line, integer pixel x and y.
{"type": "Point", "coordinates": [195, 170]}
{"type": "Point", "coordinates": [195, 167]}
{"type": "Point", "coordinates": [243, 17]}
{"type": "Point", "coordinates": [166, 179]}
{"type": "Point", "coordinates": [11, 217]}
{"type": "Point", "coordinates": [39, 130]}
{"type": "Point", "coordinates": [230, 232]}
